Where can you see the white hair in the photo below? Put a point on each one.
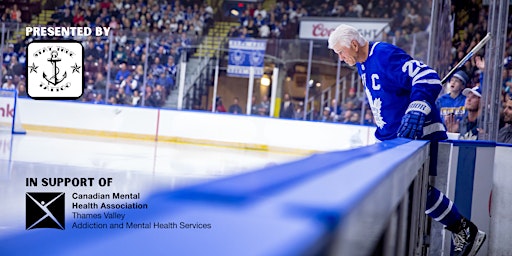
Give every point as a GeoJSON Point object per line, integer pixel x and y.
{"type": "Point", "coordinates": [343, 35]}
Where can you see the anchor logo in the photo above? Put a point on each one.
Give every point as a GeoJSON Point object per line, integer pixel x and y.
{"type": "Point", "coordinates": [62, 75]}
{"type": "Point", "coordinates": [56, 70]}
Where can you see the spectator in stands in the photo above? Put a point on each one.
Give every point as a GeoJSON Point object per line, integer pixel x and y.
{"type": "Point", "coordinates": [355, 9]}
{"type": "Point", "coordinates": [122, 73]}
{"type": "Point", "coordinates": [138, 74]}
{"type": "Point", "coordinates": [233, 32]}
{"type": "Point", "coordinates": [100, 84]}
{"type": "Point", "coordinates": [264, 31]}
{"type": "Point", "coordinates": [9, 54]}
{"type": "Point", "coordinates": [368, 118]}
{"type": "Point", "coordinates": [104, 52]}
{"type": "Point", "coordinates": [121, 97]}
{"type": "Point", "coordinates": [347, 114]}
{"type": "Point", "coordinates": [336, 108]}
{"type": "Point", "coordinates": [412, 18]}
{"type": "Point", "coordinates": [505, 133]}
{"type": "Point", "coordinates": [15, 14]}
{"type": "Point", "coordinates": [355, 118]}
{"type": "Point", "coordinates": [259, 21]}
{"type": "Point", "coordinates": [158, 95]}
{"type": "Point", "coordinates": [22, 56]}
{"type": "Point", "coordinates": [66, 5]}
{"type": "Point", "coordinates": [380, 10]}
{"type": "Point", "coordinates": [20, 43]}
{"type": "Point", "coordinates": [129, 85]}
{"type": "Point", "coordinates": [287, 107]}
{"type": "Point", "coordinates": [166, 81]}
{"type": "Point", "coordinates": [9, 85]}
{"type": "Point", "coordinates": [244, 33]}
{"type": "Point", "coordinates": [172, 68]}
{"type": "Point", "coordinates": [112, 100]}
{"type": "Point", "coordinates": [14, 67]}
{"type": "Point", "coordinates": [299, 111]}
{"type": "Point", "coordinates": [326, 115]}
{"type": "Point", "coordinates": [66, 19]}
{"type": "Point", "coordinates": [98, 99]}
{"type": "Point", "coordinates": [254, 106]}
{"type": "Point", "coordinates": [91, 53]}
{"type": "Point", "coordinates": [119, 55]}
{"type": "Point", "coordinates": [6, 16]}
{"type": "Point", "coordinates": [89, 85]}
{"type": "Point", "coordinates": [157, 68]}
{"type": "Point", "coordinates": [148, 100]}
{"type": "Point", "coordinates": [352, 101]}
{"type": "Point", "coordinates": [252, 29]}
{"type": "Point", "coordinates": [135, 99]}
{"type": "Point", "coordinates": [197, 25]}
{"type": "Point", "coordinates": [22, 89]}
{"type": "Point", "coordinates": [468, 127]}
{"type": "Point", "coordinates": [235, 107]}
{"type": "Point", "coordinates": [185, 42]}
{"type": "Point", "coordinates": [264, 106]}
{"type": "Point", "coordinates": [79, 17]}
{"type": "Point", "coordinates": [219, 105]}
{"type": "Point", "coordinates": [133, 59]}
{"type": "Point", "coordinates": [161, 54]}
{"type": "Point", "coordinates": [452, 103]}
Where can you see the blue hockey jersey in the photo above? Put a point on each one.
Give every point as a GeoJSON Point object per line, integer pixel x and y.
{"type": "Point", "coordinates": [392, 80]}
{"type": "Point", "coordinates": [450, 106]}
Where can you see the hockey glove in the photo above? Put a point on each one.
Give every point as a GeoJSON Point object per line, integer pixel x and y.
{"type": "Point", "coordinates": [413, 120]}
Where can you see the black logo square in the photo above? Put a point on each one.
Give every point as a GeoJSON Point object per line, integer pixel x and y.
{"type": "Point", "coordinates": [45, 210]}
{"type": "Point", "coordinates": [55, 69]}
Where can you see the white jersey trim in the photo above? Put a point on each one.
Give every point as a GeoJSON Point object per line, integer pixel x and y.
{"type": "Point", "coordinates": [373, 47]}
{"type": "Point", "coordinates": [427, 81]}
{"type": "Point", "coordinates": [422, 74]}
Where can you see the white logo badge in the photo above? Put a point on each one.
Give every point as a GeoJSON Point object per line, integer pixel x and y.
{"type": "Point", "coordinates": [55, 70]}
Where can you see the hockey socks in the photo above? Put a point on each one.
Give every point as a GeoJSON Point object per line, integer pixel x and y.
{"type": "Point", "coordinates": [441, 208]}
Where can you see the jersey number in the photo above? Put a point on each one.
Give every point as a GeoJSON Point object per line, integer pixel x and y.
{"type": "Point", "coordinates": [412, 67]}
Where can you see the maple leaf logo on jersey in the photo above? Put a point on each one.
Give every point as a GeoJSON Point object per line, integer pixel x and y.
{"type": "Point", "coordinates": [376, 106]}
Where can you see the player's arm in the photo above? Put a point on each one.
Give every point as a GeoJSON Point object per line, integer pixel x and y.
{"type": "Point", "coordinates": [425, 82]}
{"type": "Point", "coordinates": [424, 86]}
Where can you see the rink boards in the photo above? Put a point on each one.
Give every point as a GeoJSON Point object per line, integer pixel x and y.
{"type": "Point", "coordinates": [198, 127]}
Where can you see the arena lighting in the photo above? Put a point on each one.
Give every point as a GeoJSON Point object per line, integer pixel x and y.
{"type": "Point", "coordinates": [265, 80]}
{"type": "Point", "coordinates": [318, 84]}
{"type": "Point", "coordinates": [310, 83]}
{"type": "Point", "coordinates": [234, 12]}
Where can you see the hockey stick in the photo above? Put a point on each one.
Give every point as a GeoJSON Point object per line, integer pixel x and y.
{"type": "Point", "coordinates": [468, 56]}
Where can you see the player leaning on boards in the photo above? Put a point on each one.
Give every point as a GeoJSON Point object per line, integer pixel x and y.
{"type": "Point", "coordinates": [402, 92]}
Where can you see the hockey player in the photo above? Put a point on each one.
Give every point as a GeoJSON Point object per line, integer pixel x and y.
{"type": "Point", "coordinates": [402, 92]}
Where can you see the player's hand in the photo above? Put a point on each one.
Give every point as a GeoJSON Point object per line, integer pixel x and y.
{"type": "Point", "coordinates": [413, 120]}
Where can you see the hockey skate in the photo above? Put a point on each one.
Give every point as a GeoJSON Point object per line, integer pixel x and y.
{"type": "Point", "coordinates": [467, 238]}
